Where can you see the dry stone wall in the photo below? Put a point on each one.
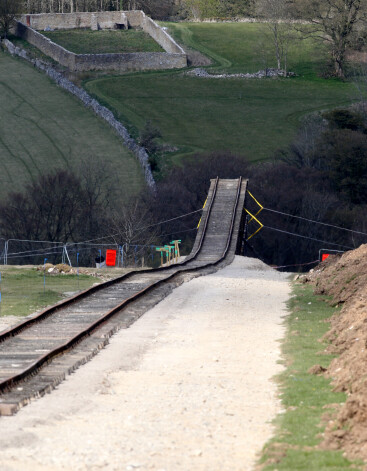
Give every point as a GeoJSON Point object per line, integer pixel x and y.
{"type": "Point", "coordinates": [174, 57]}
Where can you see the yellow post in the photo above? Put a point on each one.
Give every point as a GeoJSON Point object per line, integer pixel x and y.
{"type": "Point", "coordinates": [259, 223]}
{"type": "Point", "coordinates": [259, 211]}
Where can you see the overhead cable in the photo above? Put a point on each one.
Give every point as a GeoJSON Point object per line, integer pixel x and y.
{"type": "Point", "coordinates": [34, 255]}
{"type": "Point", "coordinates": [141, 229]}
{"type": "Point", "coordinates": [309, 238]}
{"type": "Point", "coordinates": [315, 222]}
{"type": "Point", "coordinates": [295, 265]}
{"type": "Point", "coordinates": [173, 219]}
{"type": "Point", "coordinates": [36, 251]}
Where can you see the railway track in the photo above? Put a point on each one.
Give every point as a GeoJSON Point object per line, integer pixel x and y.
{"type": "Point", "coordinates": [37, 354]}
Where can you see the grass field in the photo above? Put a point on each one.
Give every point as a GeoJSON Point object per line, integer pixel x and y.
{"type": "Point", "coordinates": [250, 117]}
{"type": "Point", "coordinates": [22, 289]}
{"type": "Point", "coordinates": [246, 47]}
{"type": "Point", "coordinates": [43, 127]}
{"type": "Point", "coordinates": [304, 396]}
{"type": "Point", "coordinates": [82, 41]}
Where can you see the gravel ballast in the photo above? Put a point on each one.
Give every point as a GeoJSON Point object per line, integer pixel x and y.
{"type": "Point", "coordinates": [187, 387]}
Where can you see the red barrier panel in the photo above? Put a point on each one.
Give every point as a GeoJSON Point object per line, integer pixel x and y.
{"type": "Point", "coordinates": [324, 256]}
{"type": "Point", "coordinates": [111, 258]}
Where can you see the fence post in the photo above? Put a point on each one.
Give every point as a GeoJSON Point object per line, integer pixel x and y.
{"type": "Point", "coordinates": [44, 275]}
{"type": "Point", "coordinates": [65, 250]}
{"type": "Point", "coordinates": [6, 252]}
{"type": "Point", "coordinates": [77, 264]}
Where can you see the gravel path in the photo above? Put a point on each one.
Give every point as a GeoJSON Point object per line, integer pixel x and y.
{"type": "Point", "coordinates": [187, 387]}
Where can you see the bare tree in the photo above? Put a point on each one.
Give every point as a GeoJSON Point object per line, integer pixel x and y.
{"type": "Point", "coordinates": [156, 8]}
{"type": "Point", "coordinates": [333, 21]}
{"type": "Point", "coordinates": [49, 209]}
{"type": "Point", "coordinates": [9, 9]}
{"type": "Point", "coordinates": [199, 9]}
{"type": "Point", "coordinates": [278, 27]}
{"type": "Point", "coordinates": [359, 74]}
{"type": "Point", "coordinates": [133, 227]}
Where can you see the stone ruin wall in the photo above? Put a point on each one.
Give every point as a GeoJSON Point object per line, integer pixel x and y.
{"type": "Point", "coordinates": [56, 52]}
{"type": "Point", "coordinates": [174, 57]}
{"type": "Point", "coordinates": [160, 35]}
{"type": "Point", "coordinates": [41, 21]}
{"type": "Point", "coordinates": [127, 62]}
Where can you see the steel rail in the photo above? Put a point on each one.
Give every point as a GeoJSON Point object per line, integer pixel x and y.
{"type": "Point", "coordinates": [41, 361]}
{"type": "Point", "coordinates": [12, 331]}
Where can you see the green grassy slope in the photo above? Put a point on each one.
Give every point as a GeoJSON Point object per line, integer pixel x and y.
{"type": "Point", "coordinates": [306, 397]}
{"type": "Point", "coordinates": [251, 117]}
{"type": "Point", "coordinates": [239, 47]}
{"type": "Point", "coordinates": [43, 127]}
{"type": "Point", "coordinates": [104, 41]}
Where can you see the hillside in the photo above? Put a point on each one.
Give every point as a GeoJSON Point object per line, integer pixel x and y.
{"type": "Point", "coordinates": [249, 117]}
{"type": "Point", "coordinates": [43, 128]}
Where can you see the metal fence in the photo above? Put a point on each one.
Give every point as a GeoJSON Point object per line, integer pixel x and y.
{"type": "Point", "coordinates": [87, 254]}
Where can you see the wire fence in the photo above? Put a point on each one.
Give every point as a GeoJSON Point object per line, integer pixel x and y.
{"type": "Point", "coordinates": [92, 252]}
{"type": "Point", "coordinates": [87, 254]}
{"type": "Point", "coordinates": [37, 285]}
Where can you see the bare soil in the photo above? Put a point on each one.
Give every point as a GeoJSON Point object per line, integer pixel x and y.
{"type": "Point", "coordinates": [344, 279]}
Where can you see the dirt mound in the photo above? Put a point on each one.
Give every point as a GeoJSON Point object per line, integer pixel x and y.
{"type": "Point", "coordinates": [344, 278]}
{"type": "Point", "coordinates": [64, 268]}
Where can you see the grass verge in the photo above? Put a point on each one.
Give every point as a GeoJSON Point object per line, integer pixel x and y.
{"type": "Point", "coordinates": [22, 289]}
{"type": "Point", "coordinates": [82, 41]}
{"type": "Point", "coordinates": [305, 397]}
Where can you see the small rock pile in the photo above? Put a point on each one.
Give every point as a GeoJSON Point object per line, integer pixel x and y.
{"type": "Point", "coordinates": [60, 268]}
{"type": "Point", "coordinates": [266, 73]}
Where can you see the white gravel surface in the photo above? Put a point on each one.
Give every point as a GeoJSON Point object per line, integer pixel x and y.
{"type": "Point", "coordinates": [8, 321]}
{"type": "Point", "coordinates": [188, 387]}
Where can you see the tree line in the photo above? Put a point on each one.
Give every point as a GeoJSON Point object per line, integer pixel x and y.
{"type": "Point", "coordinates": [341, 23]}
{"type": "Point", "coordinates": [200, 8]}
{"type": "Point", "coordinates": [321, 176]}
